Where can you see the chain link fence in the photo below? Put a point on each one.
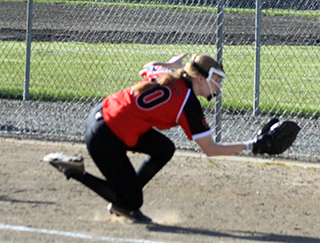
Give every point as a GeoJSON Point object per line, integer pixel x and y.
{"type": "Point", "coordinates": [81, 51]}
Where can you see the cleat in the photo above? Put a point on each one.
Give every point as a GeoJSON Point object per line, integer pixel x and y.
{"type": "Point", "coordinates": [136, 216]}
{"type": "Point", "coordinates": [66, 164]}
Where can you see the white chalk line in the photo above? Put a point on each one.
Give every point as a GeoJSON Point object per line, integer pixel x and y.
{"type": "Point", "coordinates": [74, 235]}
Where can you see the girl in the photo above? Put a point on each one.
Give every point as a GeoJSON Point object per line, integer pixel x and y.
{"type": "Point", "coordinates": [129, 121]}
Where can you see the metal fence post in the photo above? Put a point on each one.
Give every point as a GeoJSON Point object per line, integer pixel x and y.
{"type": "Point", "coordinates": [218, 103]}
{"type": "Point", "coordinates": [28, 50]}
{"type": "Point", "coordinates": [256, 102]}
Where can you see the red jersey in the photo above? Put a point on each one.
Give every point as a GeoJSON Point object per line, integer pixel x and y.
{"type": "Point", "coordinates": [129, 116]}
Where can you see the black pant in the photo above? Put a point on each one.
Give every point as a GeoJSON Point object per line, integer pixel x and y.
{"type": "Point", "coordinates": [123, 186]}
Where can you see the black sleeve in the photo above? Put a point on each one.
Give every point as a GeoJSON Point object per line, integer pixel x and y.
{"type": "Point", "coordinates": [195, 117]}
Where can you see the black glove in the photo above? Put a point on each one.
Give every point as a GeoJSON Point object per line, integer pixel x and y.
{"type": "Point", "coordinates": [275, 137]}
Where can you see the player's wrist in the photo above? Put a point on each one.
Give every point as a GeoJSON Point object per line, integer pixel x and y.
{"type": "Point", "coordinates": [249, 144]}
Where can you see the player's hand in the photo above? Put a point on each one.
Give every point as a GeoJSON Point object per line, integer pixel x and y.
{"type": "Point", "coordinates": [176, 61]}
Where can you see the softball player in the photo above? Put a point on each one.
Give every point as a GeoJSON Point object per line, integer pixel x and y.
{"type": "Point", "coordinates": [129, 121]}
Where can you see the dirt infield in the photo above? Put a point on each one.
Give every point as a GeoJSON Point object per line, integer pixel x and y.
{"type": "Point", "coordinates": [193, 199]}
{"type": "Point", "coordinates": [147, 25]}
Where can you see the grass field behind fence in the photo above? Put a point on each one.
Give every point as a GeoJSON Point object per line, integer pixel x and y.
{"type": "Point", "coordinates": [290, 78]}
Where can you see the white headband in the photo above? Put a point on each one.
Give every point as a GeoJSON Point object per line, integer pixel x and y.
{"type": "Point", "coordinates": [213, 70]}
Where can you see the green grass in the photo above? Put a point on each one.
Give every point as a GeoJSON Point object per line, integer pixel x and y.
{"type": "Point", "coordinates": [290, 79]}
{"type": "Point", "coordinates": [75, 70]}
{"type": "Point", "coordinates": [277, 12]}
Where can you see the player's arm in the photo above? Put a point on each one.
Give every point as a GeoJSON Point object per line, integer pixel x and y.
{"type": "Point", "coordinates": [210, 148]}
{"type": "Point", "coordinates": [274, 138]}
{"type": "Point", "coordinates": [193, 122]}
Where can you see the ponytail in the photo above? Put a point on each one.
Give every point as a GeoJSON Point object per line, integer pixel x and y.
{"type": "Point", "coordinates": [164, 79]}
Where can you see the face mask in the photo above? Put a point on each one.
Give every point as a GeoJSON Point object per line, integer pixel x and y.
{"type": "Point", "coordinates": [208, 76]}
{"type": "Point", "coordinates": [210, 79]}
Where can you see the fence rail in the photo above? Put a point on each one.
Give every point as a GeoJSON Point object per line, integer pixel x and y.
{"type": "Point", "coordinates": [58, 60]}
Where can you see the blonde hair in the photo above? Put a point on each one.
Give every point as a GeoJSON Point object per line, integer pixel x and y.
{"type": "Point", "coordinates": [165, 79]}
{"type": "Point", "coordinates": [203, 62]}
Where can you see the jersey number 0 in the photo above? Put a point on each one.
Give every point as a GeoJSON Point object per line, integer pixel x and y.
{"type": "Point", "coordinates": [153, 98]}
